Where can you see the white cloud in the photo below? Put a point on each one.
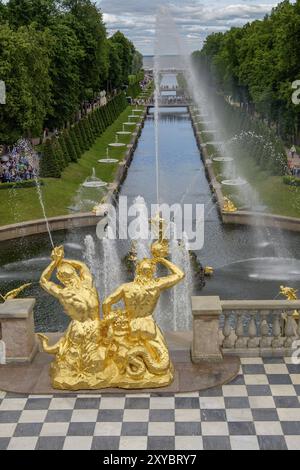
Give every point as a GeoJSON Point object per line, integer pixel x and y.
{"type": "Point", "coordinates": [196, 18]}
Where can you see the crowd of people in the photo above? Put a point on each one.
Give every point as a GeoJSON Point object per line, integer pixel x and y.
{"type": "Point", "coordinates": [15, 166]}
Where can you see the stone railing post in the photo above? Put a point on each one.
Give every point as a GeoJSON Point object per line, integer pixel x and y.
{"type": "Point", "coordinates": [206, 317]}
{"type": "Point", "coordinates": [18, 341]}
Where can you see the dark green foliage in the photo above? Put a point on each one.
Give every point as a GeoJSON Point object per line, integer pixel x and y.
{"type": "Point", "coordinates": [79, 138]}
{"type": "Point", "coordinates": [21, 184]}
{"type": "Point", "coordinates": [49, 167]}
{"type": "Point", "coordinates": [84, 137]}
{"type": "Point", "coordinates": [88, 131]}
{"type": "Point", "coordinates": [75, 143]}
{"type": "Point", "coordinates": [72, 143]}
{"type": "Point", "coordinates": [257, 64]}
{"type": "Point", "coordinates": [70, 146]}
{"type": "Point", "coordinates": [64, 149]}
{"type": "Point", "coordinates": [54, 54]}
{"type": "Point", "coordinates": [250, 137]}
{"type": "Point", "coordinates": [291, 180]}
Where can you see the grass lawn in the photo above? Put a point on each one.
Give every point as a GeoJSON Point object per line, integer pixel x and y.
{"type": "Point", "coordinates": [22, 204]}
{"type": "Point", "coordinates": [280, 198]}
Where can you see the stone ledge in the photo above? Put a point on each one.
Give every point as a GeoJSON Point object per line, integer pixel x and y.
{"type": "Point", "coordinates": [17, 308]}
{"type": "Point", "coordinates": [232, 305]}
{"type": "Point", "coordinates": [206, 306]}
{"type": "Point", "coordinates": [34, 378]}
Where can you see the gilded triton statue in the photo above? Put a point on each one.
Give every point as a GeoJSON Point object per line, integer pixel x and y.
{"type": "Point", "coordinates": [143, 355]}
{"type": "Point", "coordinates": [126, 348]}
{"type": "Point", "coordinates": [79, 354]}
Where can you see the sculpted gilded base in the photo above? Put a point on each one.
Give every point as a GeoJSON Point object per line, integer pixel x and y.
{"type": "Point", "coordinates": [125, 348]}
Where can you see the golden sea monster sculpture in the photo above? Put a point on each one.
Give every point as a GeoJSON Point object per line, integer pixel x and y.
{"type": "Point", "coordinates": [14, 293]}
{"type": "Point", "coordinates": [126, 348]}
{"type": "Point", "coordinates": [290, 294]}
{"type": "Point", "coordinates": [229, 205]}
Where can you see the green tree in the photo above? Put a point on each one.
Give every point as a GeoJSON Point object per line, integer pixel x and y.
{"type": "Point", "coordinates": [86, 21]}
{"type": "Point", "coordinates": [24, 66]}
{"type": "Point", "coordinates": [126, 53]}
{"type": "Point", "coordinates": [66, 54]}
{"type": "Point", "coordinates": [25, 12]}
{"type": "Point", "coordinates": [115, 72]}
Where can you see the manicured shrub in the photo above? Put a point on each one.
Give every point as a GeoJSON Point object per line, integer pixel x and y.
{"type": "Point", "coordinates": [75, 143]}
{"type": "Point", "coordinates": [59, 152]}
{"type": "Point", "coordinates": [84, 137]}
{"type": "Point", "coordinates": [64, 148]}
{"type": "Point", "coordinates": [79, 138]}
{"type": "Point", "coordinates": [88, 131]}
{"type": "Point", "coordinates": [291, 180]}
{"type": "Point", "coordinates": [49, 167]}
{"type": "Point", "coordinates": [70, 146]}
{"type": "Point", "coordinates": [21, 184]}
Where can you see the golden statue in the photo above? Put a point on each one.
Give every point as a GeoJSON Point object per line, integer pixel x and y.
{"type": "Point", "coordinates": [229, 205]}
{"type": "Point", "coordinates": [208, 271]}
{"type": "Point", "coordinates": [143, 353]}
{"type": "Point", "coordinates": [126, 348]}
{"type": "Point", "coordinates": [290, 294]}
{"type": "Point", "coordinates": [14, 293]}
{"type": "Point", "coordinates": [79, 354]}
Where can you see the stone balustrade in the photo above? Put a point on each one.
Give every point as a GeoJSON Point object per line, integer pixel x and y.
{"type": "Point", "coordinates": [244, 328]}
{"type": "Point", "coordinates": [17, 337]}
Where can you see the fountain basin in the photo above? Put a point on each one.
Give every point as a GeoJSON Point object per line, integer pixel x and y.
{"type": "Point", "coordinates": [223, 159]}
{"type": "Point", "coordinates": [238, 182]}
{"type": "Point", "coordinates": [94, 184]}
{"type": "Point", "coordinates": [117, 144]}
{"type": "Point", "coordinates": [124, 133]}
{"type": "Point", "coordinates": [108, 160]}
{"type": "Point", "coordinates": [129, 123]}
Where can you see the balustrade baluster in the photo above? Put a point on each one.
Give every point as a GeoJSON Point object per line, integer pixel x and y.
{"type": "Point", "coordinates": [241, 341]}
{"type": "Point", "coordinates": [290, 330]}
{"type": "Point", "coordinates": [252, 329]}
{"type": "Point", "coordinates": [265, 340]}
{"type": "Point", "coordinates": [277, 339]}
{"type": "Point", "coordinates": [227, 331]}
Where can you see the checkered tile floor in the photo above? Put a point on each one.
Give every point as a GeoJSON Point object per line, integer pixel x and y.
{"type": "Point", "coordinates": [259, 410]}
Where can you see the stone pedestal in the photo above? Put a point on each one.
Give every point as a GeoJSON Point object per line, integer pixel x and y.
{"type": "Point", "coordinates": [17, 335]}
{"type": "Point", "coordinates": [206, 315]}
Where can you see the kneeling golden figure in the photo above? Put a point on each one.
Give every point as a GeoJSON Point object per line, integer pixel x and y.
{"type": "Point", "coordinates": [126, 348]}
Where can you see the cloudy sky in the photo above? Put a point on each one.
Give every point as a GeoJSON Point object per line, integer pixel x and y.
{"type": "Point", "coordinates": [196, 18]}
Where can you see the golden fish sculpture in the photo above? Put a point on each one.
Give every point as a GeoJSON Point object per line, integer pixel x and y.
{"type": "Point", "coordinates": [126, 348]}
{"type": "Point", "coordinates": [14, 293]}
{"type": "Point", "coordinates": [290, 294]}
{"type": "Point", "coordinates": [229, 205]}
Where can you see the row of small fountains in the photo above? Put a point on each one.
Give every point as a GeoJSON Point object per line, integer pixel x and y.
{"type": "Point", "coordinates": [94, 182]}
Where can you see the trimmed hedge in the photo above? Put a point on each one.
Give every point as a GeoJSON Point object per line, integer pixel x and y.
{"type": "Point", "coordinates": [21, 184]}
{"type": "Point", "coordinates": [291, 180]}
{"type": "Point", "coordinates": [49, 167]}
{"type": "Point", "coordinates": [57, 153]}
